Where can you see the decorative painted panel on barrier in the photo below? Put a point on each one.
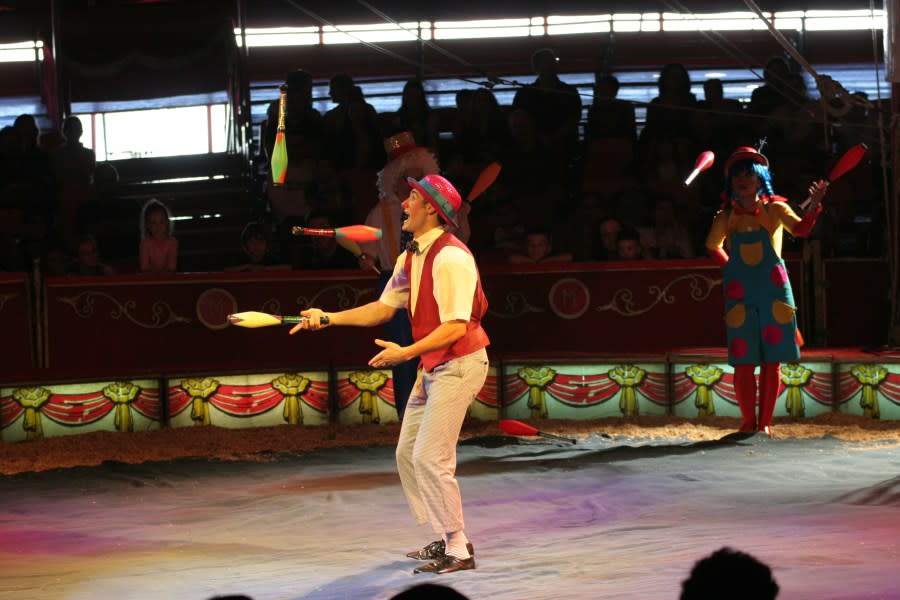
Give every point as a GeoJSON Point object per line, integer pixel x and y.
{"type": "Point", "coordinates": [16, 324]}
{"type": "Point", "coordinates": [68, 409]}
{"type": "Point", "coordinates": [178, 323]}
{"type": "Point", "coordinates": [625, 307]}
{"type": "Point", "coordinates": [367, 396]}
{"type": "Point", "coordinates": [550, 390]}
{"type": "Point", "coordinates": [706, 389]}
{"type": "Point", "coordinates": [870, 389]}
{"type": "Point", "coordinates": [240, 401]}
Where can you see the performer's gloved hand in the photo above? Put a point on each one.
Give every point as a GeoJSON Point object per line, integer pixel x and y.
{"type": "Point", "coordinates": [719, 256]}
{"type": "Point", "coordinates": [817, 190]}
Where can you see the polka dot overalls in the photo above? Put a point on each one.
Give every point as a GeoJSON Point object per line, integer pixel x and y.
{"type": "Point", "coordinates": [760, 316]}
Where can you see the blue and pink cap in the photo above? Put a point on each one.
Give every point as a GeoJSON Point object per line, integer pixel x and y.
{"type": "Point", "coordinates": [441, 194]}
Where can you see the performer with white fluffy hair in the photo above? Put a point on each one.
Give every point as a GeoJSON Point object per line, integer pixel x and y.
{"type": "Point", "coordinates": [405, 159]}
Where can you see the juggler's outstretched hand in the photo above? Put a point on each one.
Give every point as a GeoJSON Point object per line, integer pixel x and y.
{"type": "Point", "coordinates": [312, 321]}
{"type": "Point", "coordinates": [391, 355]}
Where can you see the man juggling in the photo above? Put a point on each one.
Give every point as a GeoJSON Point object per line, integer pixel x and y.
{"type": "Point", "coordinates": [437, 281]}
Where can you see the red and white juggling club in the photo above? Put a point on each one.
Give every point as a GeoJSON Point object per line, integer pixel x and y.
{"type": "Point", "coordinates": [845, 163]}
{"type": "Point", "coordinates": [522, 429]}
{"type": "Point", "coordinates": [704, 161]}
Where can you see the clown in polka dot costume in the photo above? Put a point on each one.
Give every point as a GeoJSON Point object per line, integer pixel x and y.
{"type": "Point", "coordinates": [745, 238]}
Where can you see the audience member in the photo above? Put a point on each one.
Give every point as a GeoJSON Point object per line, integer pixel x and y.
{"type": "Point", "coordinates": [336, 126]}
{"type": "Point", "coordinates": [159, 248]}
{"type": "Point", "coordinates": [352, 136]}
{"type": "Point", "coordinates": [538, 249]}
{"type": "Point", "coordinates": [609, 228]}
{"type": "Point", "coordinates": [731, 574]}
{"type": "Point", "coordinates": [773, 93]}
{"type": "Point", "coordinates": [532, 174]}
{"type": "Point", "coordinates": [305, 137]}
{"type": "Point", "coordinates": [484, 134]}
{"type": "Point", "coordinates": [608, 116]}
{"type": "Point", "coordinates": [429, 591]}
{"type": "Point", "coordinates": [667, 237]}
{"type": "Point", "coordinates": [555, 106]}
{"type": "Point", "coordinates": [323, 252]}
{"type": "Point", "coordinates": [55, 260]}
{"type": "Point", "coordinates": [628, 244]}
{"type": "Point", "coordinates": [669, 113]}
{"type": "Point", "coordinates": [30, 184]}
{"type": "Point", "coordinates": [416, 116]}
{"type": "Point", "coordinates": [255, 244]}
{"type": "Point", "coordinates": [87, 260]}
{"type": "Point", "coordinates": [73, 170]}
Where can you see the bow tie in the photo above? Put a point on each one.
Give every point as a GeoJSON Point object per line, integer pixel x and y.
{"type": "Point", "coordinates": [412, 246]}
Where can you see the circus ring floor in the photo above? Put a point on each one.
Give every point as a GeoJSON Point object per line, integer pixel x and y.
{"type": "Point", "coordinates": [623, 513]}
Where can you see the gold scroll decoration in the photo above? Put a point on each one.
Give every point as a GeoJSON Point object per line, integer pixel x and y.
{"type": "Point", "coordinates": [628, 377]}
{"type": "Point", "coordinates": [623, 302]}
{"type": "Point", "coordinates": [200, 391]}
{"type": "Point", "coordinates": [32, 399]}
{"type": "Point", "coordinates": [368, 383]}
{"type": "Point", "coordinates": [537, 381]}
{"type": "Point", "coordinates": [162, 315]}
{"type": "Point", "coordinates": [870, 377]}
{"type": "Point", "coordinates": [122, 393]}
{"type": "Point", "coordinates": [794, 377]}
{"type": "Point", "coordinates": [704, 376]}
{"type": "Point", "coordinates": [292, 386]}
{"type": "Point", "coordinates": [345, 297]}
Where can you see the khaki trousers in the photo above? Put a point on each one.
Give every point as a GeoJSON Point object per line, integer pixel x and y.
{"type": "Point", "coordinates": [426, 450]}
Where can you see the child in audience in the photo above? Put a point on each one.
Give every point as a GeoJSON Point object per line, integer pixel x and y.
{"type": "Point", "coordinates": [628, 244]}
{"type": "Point", "coordinates": [87, 260]}
{"type": "Point", "coordinates": [255, 244]}
{"type": "Point", "coordinates": [538, 249]}
{"type": "Point", "coordinates": [159, 248]}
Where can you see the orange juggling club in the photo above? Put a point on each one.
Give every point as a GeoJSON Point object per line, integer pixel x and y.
{"type": "Point", "coordinates": [484, 180]}
{"type": "Point", "coordinates": [356, 233]}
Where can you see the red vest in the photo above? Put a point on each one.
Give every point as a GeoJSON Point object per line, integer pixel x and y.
{"type": "Point", "coordinates": [427, 317]}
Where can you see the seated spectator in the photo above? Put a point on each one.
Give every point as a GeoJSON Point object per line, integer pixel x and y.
{"type": "Point", "coordinates": [55, 260]}
{"type": "Point", "coordinates": [323, 252]}
{"type": "Point", "coordinates": [666, 237]}
{"type": "Point", "coordinates": [732, 574]}
{"type": "Point", "coordinates": [538, 249]}
{"type": "Point", "coordinates": [255, 244]}
{"type": "Point", "coordinates": [628, 244]}
{"type": "Point", "coordinates": [87, 260]}
{"type": "Point", "coordinates": [158, 251]}
{"type": "Point", "coordinates": [609, 228]}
